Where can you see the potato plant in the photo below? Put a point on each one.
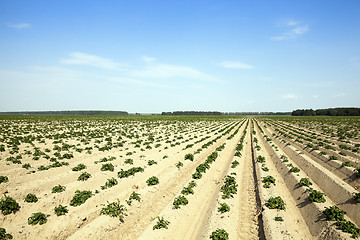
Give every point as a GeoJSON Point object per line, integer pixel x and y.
{"type": "Point", "coordinates": [267, 181]}
{"type": "Point", "coordinates": [109, 183]}
{"type": "Point", "coordinates": [4, 179]}
{"type": "Point", "coordinates": [179, 165]}
{"type": "Point", "coordinates": [130, 172]}
{"type": "Point", "coordinates": [114, 209]}
{"type": "Point", "coordinates": [180, 200]}
{"type": "Point", "coordinates": [316, 196]}
{"type": "Point", "coordinates": [107, 167]}
{"type": "Point", "coordinates": [84, 176]}
{"type": "Point", "coordinates": [61, 210]}
{"type": "Point", "coordinates": [58, 189]}
{"type": "Point", "coordinates": [152, 181]}
{"type": "Point", "coordinates": [134, 196]}
{"type": "Point", "coordinates": [224, 208]}
{"type": "Point", "coordinates": [161, 223]}
{"type": "Point", "coordinates": [334, 213]}
{"type": "Point", "coordinates": [79, 167]}
{"type": "Point", "coordinates": [189, 156]}
{"type": "Point", "coordinates": [275, 203]}
{"type": "Point", "coordinates": [80, 197]}
{"type": "Point", "coordinates": [4, 235]}
{"type": "Point", "coordinates": [8, 205]}
{"type": "Point", "coordinates": [356, 197]}
{"type": "Point", "coordinates": [305, 182]}
{"type": "Point", "coordinates": [38, 217]}
{"type": "Point", "coordinates": [31, 198]}
{"type": "Point", "coordinates": [219, 234]}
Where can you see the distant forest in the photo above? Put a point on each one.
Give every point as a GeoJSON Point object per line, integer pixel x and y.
{"type": "Point", "coordinates": [223, 113]}
{"type": "Point", "coordinates": [81, 112]}
{"type": "Point", "coordinates": [191, 113]}
{"type": "Point", "coordinates": [327, 112]}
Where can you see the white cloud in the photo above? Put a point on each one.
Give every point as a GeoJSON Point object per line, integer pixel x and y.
{"type": "Point", "coordinates": [236, 65]}
{"type": "Point", "coordinates": [159, 70]}
{"type": "Point", "coordinates": [141, 83]}
{"type": "Point", "coordinates": [78, 58]}
{"type": "Point", "coordinates": [289, 96]}
{"type": "Point", "coordinates": [148, 59]}
{"type": "Point", "coordinates": [296, 30]}
{"type": "Point", "coordinates": [19, 25]}
{"type": "Point", "coordinates": [340, 95]}
{"type": "Point", "coordinates": [292, 23]}
{"type": "Point", "coordinates": [315, 96]}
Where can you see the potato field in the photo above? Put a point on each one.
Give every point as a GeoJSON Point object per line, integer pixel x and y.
{"type": "Point", "coordinates": [179, 177]}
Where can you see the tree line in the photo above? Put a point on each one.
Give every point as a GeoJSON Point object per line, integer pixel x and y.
{"type": "Point", "coordinates": [80, 112]}
{"type": "Point", "coordinates": [327, 112]}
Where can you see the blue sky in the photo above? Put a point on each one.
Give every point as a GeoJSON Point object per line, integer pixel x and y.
{"type": "Point", "coordinates": [153, 56]}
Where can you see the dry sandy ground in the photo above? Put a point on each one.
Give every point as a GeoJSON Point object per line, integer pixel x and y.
{"type": "Point", "coordinates": [248, 217]}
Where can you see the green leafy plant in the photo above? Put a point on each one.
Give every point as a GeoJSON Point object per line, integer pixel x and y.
{"type": "Point", "coordinates": [342, 153]}
{"type": "Point", "coordinates": [189, 156]}
{"type": "Point", "coordinates": [267, 181]}
{"type": "Point", "coordinates": [275, 203]}
{"type": "Point", "coordinates": [316, 196]}
{"type": "Point", "coordinates": [284, 158]}
{"type": "Point", "coordinates": [356, 197]}
{"type": "Point", "coordinates": [152, 181]}
{"type": "Point", "coordinates": [197, 175]}
{"type": "Point", "coordinates": [79, 167]}
{"type": "Point", "coordinates": [219, 234]}
{"type": "Point", "coordinates": [180, 200]}
{"type": "Point", "coordinates": [61, 210]}
{"type": "Point", "coordinates": [114, 209]}
{"type": "Point", "coordinates": [179, 165]}
{"type": "Point", "coordinates": [84, 176]}
{"type": "Point", "coordinates": [187, 191]}
{"type": "Point", "coordinates": [26, 166]}
{"type": "Point", "coordinates": [109, 183]}
{"type": "Point", "coordinates": [107, 167]}
{"type": "Point", "coordinates": [279, 219]}
{"type": "Point", "coordinates": [133, 196]}
{"type": "Point", "coordinates": [265, 169]}
{"type": "Point", "coordinates": [8, 205]}
{"type": "Point", "coordinates": [31, 198]}
{"type": "Point", "coordinates": [4, 235]}
{"type": "Point", "coordinates": [260, 159]}
{"type": "Point", "coordinates": [130, 172]}
{"type": "Point", "coordinates": [305, 182]}
{"type": "Point", "coordinates": [224, 208]}
{"type": "Point", "coordinates": [80, 197]}
{"type": "Point", "coordinates": [294, 169]}
{"type": "Point", "coordinates": [349, 227]}
{"type": "Point", "coordinates": [334, 213]}
{"type": "Point", "coordinates": [4, 179]}
{"type": "Point", "coordinates": [234, 164]}
{"type": "Point", "coordinates": [333, 157]}
{"type": "Point", "coordinates": [346, 164]}
{"type": "Point", "coordinates": [229, 188]}
{"type": "Point", "coordinates": [357, 172]}
{"type": "Point", "coordinates": [36, 218]}
{"type": "Point", "coordinates": [58, 189]}
{"type": "Point", "coordinates": [192, 184]}
{"type": "Point", "coordinates": [129, 161]}
{"type": "Point", "coordinates": [151, 162]}
{"type": "Point", "coordinates": [161, 223]}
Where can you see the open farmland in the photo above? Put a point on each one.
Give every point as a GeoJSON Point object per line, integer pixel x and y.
{"type": "Point", "coordinates": [179, 177]}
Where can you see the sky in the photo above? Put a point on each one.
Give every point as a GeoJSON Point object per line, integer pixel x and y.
{"type": "Point", "coordinates": [166, 55]}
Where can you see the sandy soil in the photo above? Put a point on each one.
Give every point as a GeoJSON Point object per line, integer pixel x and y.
{"type": "Point", "coordinates": [166, 142]}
